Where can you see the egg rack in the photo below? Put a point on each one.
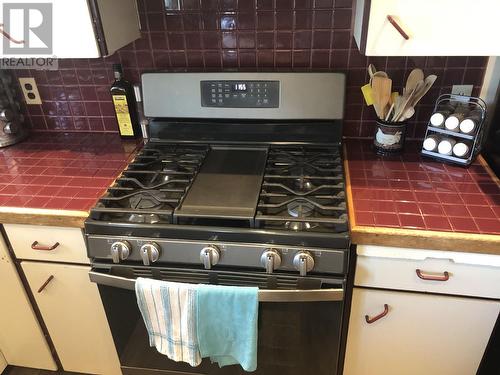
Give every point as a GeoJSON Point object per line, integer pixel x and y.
{"type": "Point", "coordinates": [474, 141]}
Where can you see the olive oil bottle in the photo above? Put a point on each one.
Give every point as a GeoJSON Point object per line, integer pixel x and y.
{"type": "Point", "coordinates": [122, 93]}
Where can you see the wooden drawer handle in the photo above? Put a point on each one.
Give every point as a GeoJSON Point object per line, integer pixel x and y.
{"type": "Point", "coordinates": [397, 27]}
{"type": "Point", "coordinates": [379, 316]}
{"type": "Point", "coordinates": [45, 283]}
{"type": "Point", "coordinates": [423, 276]}
{"type": "Point", "coordinates": [36, 246]}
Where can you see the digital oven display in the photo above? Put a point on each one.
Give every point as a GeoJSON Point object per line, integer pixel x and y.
{"type": "Point", "coordinates": [239, 87]}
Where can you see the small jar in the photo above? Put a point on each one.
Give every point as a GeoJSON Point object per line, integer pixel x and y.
{"type": "Point", "coordinates": [438, 118]}
{"type": "Point", "coordinates": [452, 122]}
{"type": "Point", "coordinates": [445, 147]}
{"type": "Point", "coordinates": [431, 143]}
{"type": "Point", "coordinates": [461, 150]}
{"type": "Point", "coordinates": [469, 124]}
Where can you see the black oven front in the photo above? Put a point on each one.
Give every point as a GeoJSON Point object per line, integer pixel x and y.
{"type": "Point", "coordinates": [300, 320]}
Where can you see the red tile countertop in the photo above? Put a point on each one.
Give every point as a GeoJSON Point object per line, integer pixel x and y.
{"type": "Point", "coordinates": [56, 172]}
{"type": "Point", "coordinates": [411, 192]}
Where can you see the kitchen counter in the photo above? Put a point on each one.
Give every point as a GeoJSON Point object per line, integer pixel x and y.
{"type": "Point", "coordinates": [55, 178]}
{"type": "Point", "coordinates": [415, 202]}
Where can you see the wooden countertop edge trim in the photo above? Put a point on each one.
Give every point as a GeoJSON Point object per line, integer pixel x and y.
{"type": "Point", "coordinates": [350, 200]}
{"type": "Point", "coordinates": [41, 216]}
{"type": "Point", "coordinates": [426, 239]}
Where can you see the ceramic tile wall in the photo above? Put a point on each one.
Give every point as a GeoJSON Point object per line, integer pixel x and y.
{"type": "Point", "coordinates": [299, 35]}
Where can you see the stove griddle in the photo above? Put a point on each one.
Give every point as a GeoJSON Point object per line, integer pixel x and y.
{"type": "Point", "coordinates": [227, 185]}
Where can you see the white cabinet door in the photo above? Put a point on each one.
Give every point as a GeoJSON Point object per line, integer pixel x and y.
{"type": "Point", "coordinates": [72, 29]}
{"type": "Point", "coordinates": [73, 33]}
{"type": "Point", "coordinates": [21, 339]}
{"type": "Point", "coordinates": [435, 28]}
{"type": "Point", "coordinates": [72, 310]}
{"type": "Point", "coordinates": [421, 334]}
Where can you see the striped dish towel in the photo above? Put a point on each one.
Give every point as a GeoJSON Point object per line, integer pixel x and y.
{"type": "Point", "coordinates": [169, 312]}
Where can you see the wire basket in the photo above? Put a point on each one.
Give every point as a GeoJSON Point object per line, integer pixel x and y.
{"type": "Point", "coordinates": [474, 140]}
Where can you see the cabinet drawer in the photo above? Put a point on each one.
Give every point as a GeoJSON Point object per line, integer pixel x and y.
{"type": "Point", "coordinates": [428, 271]}
{"type": "Point", "coordinates": [47, 243]}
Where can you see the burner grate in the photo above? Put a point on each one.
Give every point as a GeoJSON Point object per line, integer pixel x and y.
{"type": "Point", "coordinates": [303, 190]}
{"type": "Point", "coordinates": [153, 185]}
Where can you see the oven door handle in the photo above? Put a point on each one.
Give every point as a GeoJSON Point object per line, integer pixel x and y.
{"type": "Point", "coordinates": [268, 295]}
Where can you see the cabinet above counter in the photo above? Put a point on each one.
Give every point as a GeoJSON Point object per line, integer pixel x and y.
{"type": "Point", "coordinates": [437, 28]}
{"type": "Point", "coordinates": [69, 29]}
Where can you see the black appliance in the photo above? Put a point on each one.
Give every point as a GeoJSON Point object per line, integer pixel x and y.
{"type": "Point", "coordinates": [491, 150]}
{"type": "Point", "coordinates": [242, 184]}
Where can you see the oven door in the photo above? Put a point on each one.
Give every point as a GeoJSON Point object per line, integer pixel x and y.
{"type": "Point", "coordinates": [300, 320]}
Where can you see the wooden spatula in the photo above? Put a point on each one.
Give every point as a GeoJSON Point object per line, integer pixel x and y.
{"type": "Point", "coordinates": [415, 76]}
{"type": "Point", "coordinates": [381, 91]}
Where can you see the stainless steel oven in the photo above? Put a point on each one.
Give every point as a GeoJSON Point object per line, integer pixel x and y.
{"type": "Point", "coordinates": [240, 184]}
{"type": "Point", "coordinates": [299, 320]}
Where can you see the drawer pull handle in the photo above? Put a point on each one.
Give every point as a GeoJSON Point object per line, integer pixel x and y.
{"type": "Point", "coordinates": [36, 246]}
{"type": "Point", "coordinates": [379, 316]}
{"type": "Point", "coordinates": [397, 27]}
{"type": "Point", "coordinates": [423, 276]}
{"type": "Point", "coordinates": [45, 283]}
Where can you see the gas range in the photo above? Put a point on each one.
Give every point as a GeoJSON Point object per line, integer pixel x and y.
{"type": "Point", "coordinates": [231, 185]}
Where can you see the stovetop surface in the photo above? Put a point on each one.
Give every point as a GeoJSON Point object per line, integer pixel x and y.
{"type": "Point", "coordinates": [293, 191]}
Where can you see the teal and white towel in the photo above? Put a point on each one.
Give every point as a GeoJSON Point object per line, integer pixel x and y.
{"type": "Point", "coordinates": [169, 313]}
{"type": "Point", "coordinates": [227, 324]}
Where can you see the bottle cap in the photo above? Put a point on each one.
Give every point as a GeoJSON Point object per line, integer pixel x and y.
{"type": "Point", "coordinates": [430, 144]}
{"type": "Point", "coordinates": [445, 147]}
{"type": "Point", "coordinates": [437, 119]}
{"type": "Point", "coordinates": [451, 123]}
{"type": "Point", "coordinates": [467, 125]}
{"type": "Point", "coordinates": [460, 149]}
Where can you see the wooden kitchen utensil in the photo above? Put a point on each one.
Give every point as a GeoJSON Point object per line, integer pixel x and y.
{"type": "Point", "coordinates": [407, 100]}
{"type": "Point", "coordinates": [414, 77]}
{"type": "Point", "coordinates": [429, 81]}
{"type": "Point", "coordinates": [381, 89]}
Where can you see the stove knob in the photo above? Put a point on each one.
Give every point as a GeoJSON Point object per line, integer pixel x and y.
{"type": "Point", "coordinates": [120, 250]}
{"type": "Point", "coordinates": [10, 128]}
{"type": "Point", "coordinates": [209, 256]}
{"type": "Point", "coordinates": [271, 260]}
{"type": "Point", "coordinates": [150, 253]}
{"type": "Point", "coordinates": [6, 114]}
{"type": "Point", "coordinates": [303, 262]}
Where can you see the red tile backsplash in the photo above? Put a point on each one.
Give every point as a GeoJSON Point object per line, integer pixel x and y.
{"type": "Point", "coordinates": [414, 192]}
{"type": "Point", "coordinates": [61, 171]}
{"type": "Point", "coordinates": [301, 35]}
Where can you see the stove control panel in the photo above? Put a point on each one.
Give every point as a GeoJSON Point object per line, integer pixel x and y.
{"type": "Point", "coordinates": [269, 258]}
{"type": "Point", "coordinates": [240, 94]}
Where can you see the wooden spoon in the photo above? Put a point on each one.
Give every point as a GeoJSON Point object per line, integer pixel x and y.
{"type": "Point", "coordinates": [381, 90]}
{"type": "Point", "coordinates": [429, 81]}
{"type": "Point", "coordinates": [407, 100]}
{"type": "Point", "coordinates": [415, 76]}
{"type": "Point", "coordinates": [410, 111]}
